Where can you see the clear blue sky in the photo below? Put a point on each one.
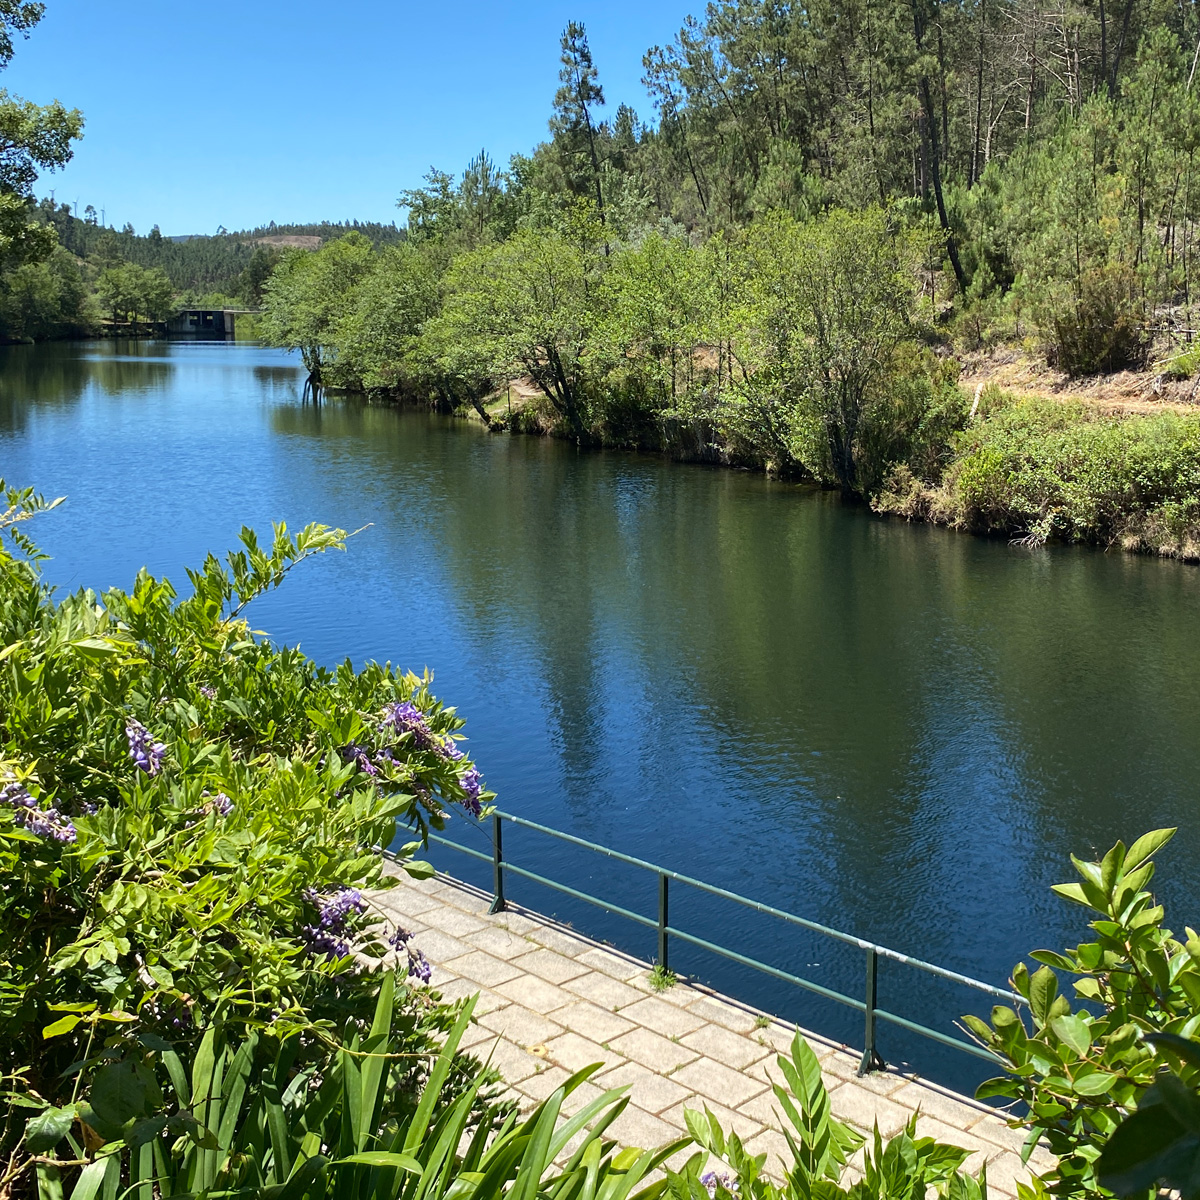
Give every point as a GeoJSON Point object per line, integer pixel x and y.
{"type": "Point", "coordinates": [202, 114]}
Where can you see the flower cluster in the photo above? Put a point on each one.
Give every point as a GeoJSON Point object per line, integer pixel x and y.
{"type": "Point", "coordinates": [418, 964]}
{"type": "Point", "coordinates": [403, 717]}
{"type": "Point", "coordinates": [328, 935]}
{"type": "Point", "coordinates": [146, 753]}
{"type": "Point", "coordinates": [209, 693]}
{"type": "Point", "coordinates": [472, 783]}
{"type": "Point", "coordinates": [451, 751]}
{"type": "Point", "coordinates": [219, 804]}
{"type": "Point", "coordinates": [361, 757]}
{"type": "Point", "coordinates": [711, 1181]}
{"type": "Point", "coordinates": [44, 822]}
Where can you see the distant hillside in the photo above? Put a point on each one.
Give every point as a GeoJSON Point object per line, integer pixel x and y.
{"type": "Point", "coordinates": [305, 241]}
{"type": "Point", "coordinates": [229, 264]}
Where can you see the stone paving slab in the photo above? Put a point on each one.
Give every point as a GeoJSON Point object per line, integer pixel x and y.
{"type": "Point", "coordinates": [553, 1001]}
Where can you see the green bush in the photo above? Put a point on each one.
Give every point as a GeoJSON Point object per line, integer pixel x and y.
{"type": "Point", "coordinates": [216, 1126]}
{"type": "Point", "coordinates": [1078, 1070]}
{"type": "Point", "coordinates": [189, 815]}
{"type": "Point", "coordinates": [906, 1167]}
{"type": "Point", "coordinates": [1042, 469]}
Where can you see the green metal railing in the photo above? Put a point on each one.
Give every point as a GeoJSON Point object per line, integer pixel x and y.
{"type": "Point", "coordinates": [868, 1006]}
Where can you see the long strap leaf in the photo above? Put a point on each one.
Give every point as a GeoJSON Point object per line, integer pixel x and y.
{"type": "Point", "coordinates": [374, 1066]}
{"type": "Point", "coordinates": [437, 1079]}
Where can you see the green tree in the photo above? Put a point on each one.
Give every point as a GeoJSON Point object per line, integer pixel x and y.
{"type": "Point", "coordinates": [571, 123]}
{"type": "Point", "coordinates": [309, 293]}
{"type": "Point", "coordinates": [528, 307]}
{"type": "Point", "coordinates": [45, 299]}
{"type": "Point", "coordinates": [829, 308]}
{"type": "Point", "coordinates": [128, 291]}
{"type": "Point", "coordinates": [376, 339]}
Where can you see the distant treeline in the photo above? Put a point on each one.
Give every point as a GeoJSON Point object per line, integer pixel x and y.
{"type": "Point", "coordinates": [202, 264]}
{"type": "Point", "coordinates": [94, 277]}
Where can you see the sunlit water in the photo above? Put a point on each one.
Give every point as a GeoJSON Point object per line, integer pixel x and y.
{"type": "Point", "coordinates": [896, 730]}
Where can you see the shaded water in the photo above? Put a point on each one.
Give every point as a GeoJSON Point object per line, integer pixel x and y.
{"type": "Point", "coordinates": [892, 729]}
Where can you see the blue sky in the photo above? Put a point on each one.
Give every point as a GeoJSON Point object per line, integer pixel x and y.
{"type": "Point", "coordinates": [299, 111]}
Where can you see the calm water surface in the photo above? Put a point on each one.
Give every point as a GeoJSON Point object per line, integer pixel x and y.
{"type": "Point", "coordinates": [896, 730]}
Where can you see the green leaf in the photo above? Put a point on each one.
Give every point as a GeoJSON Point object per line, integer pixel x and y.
{"type": "Point", "coordinates": [119, 1093]}
{"type": "Point", "coordinates": [1043, 987]}
{"type": "Point", "coordinates": [383, 1158]}
{"type": "Point", "coordinates": [1093, 1085]}
{"type": "Point", "coordinates": [1148, 845]}
{"type": "Point", "coordinates": [1052, 959]}
{"type": "Point", "coordinates": [1073, 1030]}
{"type": "Point", "coordinates": [62, 1025]}
{"type": "Point", "coordinates": [1140, 1151]}
{"type": "Point", "coordinates": [47, 1129]}
{"type": "Point", "coordinates": [419, 869]}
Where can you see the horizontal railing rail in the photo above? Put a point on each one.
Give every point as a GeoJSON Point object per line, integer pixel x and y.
{"type": "Point", "coordinates": [868, 1005]}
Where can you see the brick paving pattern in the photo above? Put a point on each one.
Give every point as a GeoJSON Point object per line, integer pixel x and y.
{"type": "Point", "coordinates": [552, 1001]}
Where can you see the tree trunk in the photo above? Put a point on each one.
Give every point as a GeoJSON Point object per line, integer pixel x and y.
{"type": "Point", "coordinates": [935, 168]}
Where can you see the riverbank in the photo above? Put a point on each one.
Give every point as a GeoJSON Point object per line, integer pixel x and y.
{"type": "Point", "coordinates": [1113, 461]}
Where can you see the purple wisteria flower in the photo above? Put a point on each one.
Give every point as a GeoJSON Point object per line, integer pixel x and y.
{"type": "Point", "coordinates": [710, 1180]}
{"type": "Point", "coordinates": [472, 783]}
{"type": "Point", "coordinates": [209, 693]}
{"type": "Point", "coordinates": [451, 750]}
{"type": "Point", "coordinates": [321, 941]}
{"type": "Point", "coordinates": [337, 909]}
{"type": "Point", "coordinates": [219, 804]}
{"type": "Point", "coordinates": [418, 964]}
{"type": "Point", "coordinates": [49, 822]}
{"type": "Point", "coordinates": [15, 796]}
{"type": "Point", "coordinates": [361, 756]}
{"type": "Point", "coordinates": [44, 822]}
{"type": "Point", "coordinates": [326, 937]}
{"type": "Point", "coordinates": [403, 717]}
{"type": "Point", "coordinates": [146, 753]}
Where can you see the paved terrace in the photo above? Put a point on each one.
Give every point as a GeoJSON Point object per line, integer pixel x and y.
{"type": "Point", "coordinates": [552, 1001]}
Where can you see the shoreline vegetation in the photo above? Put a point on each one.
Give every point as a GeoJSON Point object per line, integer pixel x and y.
{"type": "Point", "coordinates": [790, 267]}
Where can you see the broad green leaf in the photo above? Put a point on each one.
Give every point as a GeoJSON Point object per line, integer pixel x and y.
{"type": "Point", "coordinates": [1148, 845]}
{"type": "Point", "coordinates": [62, 1025]}
{"type": "Point", "coordinates": [1074, 1031]}
{"type": "Point", "coordinates": [48, 1128]}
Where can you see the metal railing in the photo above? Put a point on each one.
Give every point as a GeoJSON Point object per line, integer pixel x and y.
{"type": "Point", "coordinates": [868, 1006]}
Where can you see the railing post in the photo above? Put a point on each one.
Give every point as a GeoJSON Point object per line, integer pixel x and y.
{"type": "Point", "coordinates": [871, 1060]}
{"type": "Point", "coordinates": [497, 866]}
{"type": "Point", "coordinates": [662, 921]}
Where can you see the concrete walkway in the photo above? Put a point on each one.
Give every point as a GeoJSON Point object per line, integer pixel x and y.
{"type": "Point", "coordinates": [552, 1001]}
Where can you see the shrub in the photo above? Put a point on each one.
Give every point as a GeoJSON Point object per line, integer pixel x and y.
{"type": "Point", "coordinates": [1043, 469]}
{"type": "Point", "coordinates": [1079, 1069]}
{"type": "Point", "coordinates": [1099, 325]}
{"type": "Point", "coordinates": [189, 815]}
{"type": "Point", "coordinates": [907, 1167]}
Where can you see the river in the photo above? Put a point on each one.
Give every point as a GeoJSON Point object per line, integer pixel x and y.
{"type": "Point", "coordinates": [893, 729]}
